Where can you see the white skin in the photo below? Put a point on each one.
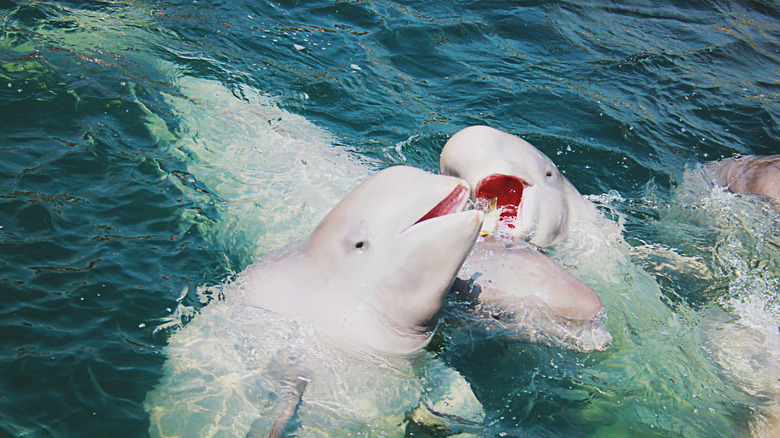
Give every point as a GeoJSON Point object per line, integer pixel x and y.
{"type": "Point", "coordinates": [550, 203]}
{"type": "Point", "coordinates": [369, 276]}
{"type": "Point", "coordinates": [510, 274]}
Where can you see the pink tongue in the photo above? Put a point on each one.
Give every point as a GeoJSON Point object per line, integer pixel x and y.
{"type": "Point", "coordinates": [507, 190]}
{"type": "Point", "coordinates": [448, 205]}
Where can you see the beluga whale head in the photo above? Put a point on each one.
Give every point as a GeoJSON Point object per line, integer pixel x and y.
{"type": "Point", "coordinates": [375, 272]}
{"type": "Point", "coordinates": [536, 202]}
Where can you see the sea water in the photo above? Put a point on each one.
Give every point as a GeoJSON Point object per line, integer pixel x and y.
{"type": "Point", "coordinates": [149, 151]}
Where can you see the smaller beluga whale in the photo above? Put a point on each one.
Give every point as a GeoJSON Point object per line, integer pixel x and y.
{"type": "Point", "coordinates": [529, 204]}
{"type": "Point", "coordinates": [758, 175]}
{"type": "Point", "coordinates": [327, 337]}
{"type": "Point", "coordinates": [535, 201]}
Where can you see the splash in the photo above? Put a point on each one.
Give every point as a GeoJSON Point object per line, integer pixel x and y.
{"type": "Point", "coordinates": [744, 247]}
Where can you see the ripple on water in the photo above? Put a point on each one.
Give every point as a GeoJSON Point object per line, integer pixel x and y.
{"type": "Point", "coordinates": [112, 113]}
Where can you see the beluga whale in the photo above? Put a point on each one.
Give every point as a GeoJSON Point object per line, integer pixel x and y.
{"type": "Point", "coordinates": [326, 336]}
{"type": "Point", "coordinates": [535, 201]}
{"type": "Point", "coordinates": [529, 204]}
{"type": "Point", "coordinates": [759, 175]}
{"type": "Point", "coordinates": [375, 271]}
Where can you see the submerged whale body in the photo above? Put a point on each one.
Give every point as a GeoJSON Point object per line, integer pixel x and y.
{"type": "Point", "coordinates": [531, 296]}
{"type": "Point", "coordinates": [523, 294]}
{"type": "Point", "coordinates": [325, 337]}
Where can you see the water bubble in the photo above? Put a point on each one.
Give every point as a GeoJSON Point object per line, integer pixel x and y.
{"type": "Point", "coordinates": [141, 325]}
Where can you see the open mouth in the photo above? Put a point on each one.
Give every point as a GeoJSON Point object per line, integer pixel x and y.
{"type": "Point", "coordinates": [506, 190]}
{"type": "Point", "coordinates": [453, 203]}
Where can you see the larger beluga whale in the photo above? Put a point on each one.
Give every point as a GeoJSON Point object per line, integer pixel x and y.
{"type": "Point", "coordinates": [375, 271]}
{"type": "Point", "coordinates": [520, 289]}
{"type": "Point", "coordinates": [326, 337]}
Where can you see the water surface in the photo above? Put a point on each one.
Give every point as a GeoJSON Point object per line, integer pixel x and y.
{"type": "Point", "coordinates": [150, 148]}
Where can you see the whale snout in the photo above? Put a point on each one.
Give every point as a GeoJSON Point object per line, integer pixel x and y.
{"type": "Point", "coordinates": [454, 202]}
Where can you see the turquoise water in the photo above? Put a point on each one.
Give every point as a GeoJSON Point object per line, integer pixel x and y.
{"type": "Point", "coordinates": [150, 148]}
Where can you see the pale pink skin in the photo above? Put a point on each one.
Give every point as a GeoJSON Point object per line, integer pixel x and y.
{"type": "Point", "coordinates": [750, 174]}
{"type": "Point", "coordinates": [520, 276]}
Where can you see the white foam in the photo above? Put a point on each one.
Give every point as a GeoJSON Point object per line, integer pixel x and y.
{"type": "Point", "coordinates": [746, 252]}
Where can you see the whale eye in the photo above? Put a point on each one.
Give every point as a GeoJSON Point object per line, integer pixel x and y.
{"type": "Point", "coordinates": [359, 242]}
{"type": "Point", "coordinates": [549, 174]}
{"type": "Point", "coordinates": [359, 245]}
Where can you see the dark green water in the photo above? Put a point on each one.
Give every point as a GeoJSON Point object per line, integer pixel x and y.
{"type": "Point", "coordinates": [125, 129]}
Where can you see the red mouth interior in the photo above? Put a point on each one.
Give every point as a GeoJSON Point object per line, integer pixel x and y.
{"type": "Point", "coordinates": [508, 192]}
{"type": "Point", "coordinates": [450, 204]}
